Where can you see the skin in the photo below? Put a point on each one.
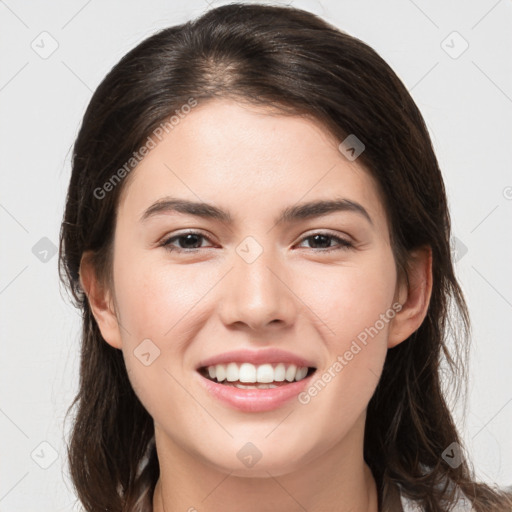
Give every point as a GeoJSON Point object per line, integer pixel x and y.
{"type": "Point", "coordinates": [294, 296]}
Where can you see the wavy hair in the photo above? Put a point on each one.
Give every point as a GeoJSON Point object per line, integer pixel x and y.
{"type": "Point", "coordinates": [294, 61]}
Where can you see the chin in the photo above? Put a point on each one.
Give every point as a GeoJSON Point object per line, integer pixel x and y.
{"type": "Point", "coordinates": [257, 461]}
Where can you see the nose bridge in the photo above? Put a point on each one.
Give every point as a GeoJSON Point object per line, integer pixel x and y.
{"type": "Point", "coordinates": [256, 293]}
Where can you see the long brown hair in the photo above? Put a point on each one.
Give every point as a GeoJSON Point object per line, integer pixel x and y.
{"type": "Point", "coordinates": [294, 61]}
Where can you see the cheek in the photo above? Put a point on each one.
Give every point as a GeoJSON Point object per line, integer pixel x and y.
{"type": "Point", "coordinates": [157, 299]}
{"type": "Point", "coordinates": [158, 302]}
{"type": "Point", "coordinates": [159, 307]}
{"type": "Point", "coordinates": [351, 299]}
{"type": "Point", "coordinates": [355, 306]}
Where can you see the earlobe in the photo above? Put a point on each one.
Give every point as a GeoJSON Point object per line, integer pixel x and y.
{"type": "Point", "coordinates": [100, 301]}
{"type": "Point", "coordinates": [414, 296]}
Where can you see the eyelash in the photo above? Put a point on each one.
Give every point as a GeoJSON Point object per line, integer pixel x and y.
{"type": "Point", "coordinates": [343, 244]}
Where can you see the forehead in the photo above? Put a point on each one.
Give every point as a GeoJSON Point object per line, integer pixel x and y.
{"type": "Point", "coordinates": [225, 152]}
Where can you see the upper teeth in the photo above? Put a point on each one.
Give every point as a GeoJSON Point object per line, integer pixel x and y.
{"type": "Point", "coordinates": [247, 372]}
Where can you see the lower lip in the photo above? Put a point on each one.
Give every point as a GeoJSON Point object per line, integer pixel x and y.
{"type": "Point", "coordinates": [255, 400]}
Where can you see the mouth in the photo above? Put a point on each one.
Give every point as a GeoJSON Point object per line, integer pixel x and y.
{"type": "Point", "coordinates": [249, 376]}
{"type": "Point", "coordinates": [253, 388]}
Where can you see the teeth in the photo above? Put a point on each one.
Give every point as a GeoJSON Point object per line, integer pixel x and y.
{"type": "Point", "coordinates": [249, 373]}
{"type": "Point", "coordinates": [253, 386]}
{"type": "Point", "coordinates": [232, 373]}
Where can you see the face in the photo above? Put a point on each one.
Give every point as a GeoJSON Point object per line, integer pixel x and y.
{"type": "Point", "coordinates": [318, 285]}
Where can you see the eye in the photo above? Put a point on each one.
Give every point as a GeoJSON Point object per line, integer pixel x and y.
{"type": "Point", "coordinates": [323, 238]}
{"type": "Point", "coordinates": [189, 240]}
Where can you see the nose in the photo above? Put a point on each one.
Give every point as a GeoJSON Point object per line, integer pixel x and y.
{"type": "Point", "coordinates": [258, 294]}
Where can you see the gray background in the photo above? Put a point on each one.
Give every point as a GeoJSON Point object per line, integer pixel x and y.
{"type": "Point", "coordinates": [465, 97]}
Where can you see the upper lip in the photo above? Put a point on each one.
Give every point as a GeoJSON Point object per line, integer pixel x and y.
{"type": "Point", "coordinates": [256, 357]}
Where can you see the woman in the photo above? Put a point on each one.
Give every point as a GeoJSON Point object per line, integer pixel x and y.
{"type": "Point", "coordinates": [258, 369]}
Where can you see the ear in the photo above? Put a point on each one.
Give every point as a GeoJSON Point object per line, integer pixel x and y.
{"type": "Point", "coordinates": [100, 301]}
{"type": "Point", "coordinates": [414, 296]}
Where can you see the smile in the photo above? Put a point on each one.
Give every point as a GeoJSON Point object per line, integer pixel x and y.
{"type": "Point", "coordinates": [255, 388]}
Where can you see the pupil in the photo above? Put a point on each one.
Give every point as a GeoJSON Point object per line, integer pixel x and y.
{"type": "Point", "coordinates": [323, 238]}
{"type": "Point", "coordinates": [188, 240]}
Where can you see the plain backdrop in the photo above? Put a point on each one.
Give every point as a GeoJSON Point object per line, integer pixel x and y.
{"type": "Point", "coordinates": [454, 57]}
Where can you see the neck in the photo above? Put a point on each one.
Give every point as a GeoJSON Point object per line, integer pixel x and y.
{"type": "Point", "coordinates": [337, 480]}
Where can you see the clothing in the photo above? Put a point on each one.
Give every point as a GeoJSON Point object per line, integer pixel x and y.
{"type": "Point", "coordinates": [462, 505]}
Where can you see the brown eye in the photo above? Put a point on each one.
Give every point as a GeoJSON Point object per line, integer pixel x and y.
{"type": "Point", "coordinates": [187, 241]}
{"type": "Point", "coordinates": [321, 239]}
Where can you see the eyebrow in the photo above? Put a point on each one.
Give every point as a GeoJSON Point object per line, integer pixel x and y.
{"type": "Point", "coordinates": [288, 215]}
